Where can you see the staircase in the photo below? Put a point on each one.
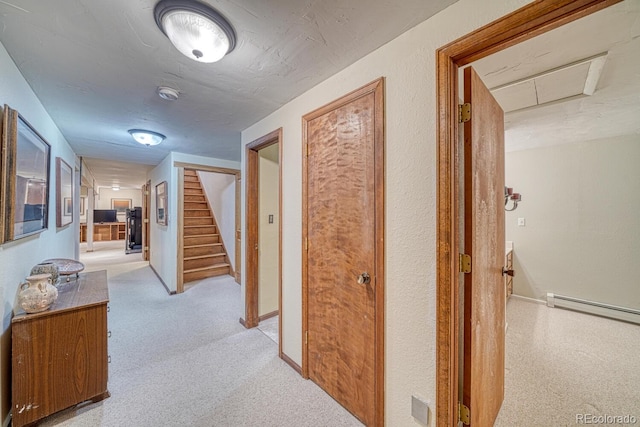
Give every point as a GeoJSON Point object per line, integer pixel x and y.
{"type": "Point", "coordinates": [204, 253]}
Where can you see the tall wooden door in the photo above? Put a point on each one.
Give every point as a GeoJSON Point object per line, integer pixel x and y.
{"type": "Point", "coordinates": [484, 293]}
{"type": "Point", "coordinates": [343, 263]}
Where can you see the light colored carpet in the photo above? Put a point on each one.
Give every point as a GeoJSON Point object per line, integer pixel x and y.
{"type": "Point", "coordinates": [269, 327]}
{"type": "Point", "coordinates": [184, 360]}
{"type": "Point", "coordinates": [561, 363]}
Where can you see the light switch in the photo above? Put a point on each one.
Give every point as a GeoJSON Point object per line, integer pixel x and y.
{"type": "Point", "coordinates": [420, 410]}
{"type": "Point", "coordinates": [270, 219]}
{"type": "Point", "coordinates": [521, 222]}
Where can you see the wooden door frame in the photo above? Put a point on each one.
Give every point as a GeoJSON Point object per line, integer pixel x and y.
{"type": "Point", "coordinates": [523, 24]}
{"type": "Point", "coordinates": [181, 166]}
{"type": "Point", "coordinates": [377, 88]}
{"type": "Point", "coordinates": [146, 221]}
{"type": "Point", "coordinates": [251, 314]}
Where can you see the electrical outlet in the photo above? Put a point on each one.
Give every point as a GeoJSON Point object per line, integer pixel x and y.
{"type": "Point", "coordinates": [420, 410]}
{"type": "Point", "coordinates": [521, 222]}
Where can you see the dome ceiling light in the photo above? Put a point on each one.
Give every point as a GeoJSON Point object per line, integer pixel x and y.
{"type": "Point", "coordinates": [198, 31]}
{"type": "Point", "coordinates": [147, 137]}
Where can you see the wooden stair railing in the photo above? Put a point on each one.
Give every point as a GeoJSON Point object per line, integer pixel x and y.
{"type": "Point", "coordinates": [204, 252]}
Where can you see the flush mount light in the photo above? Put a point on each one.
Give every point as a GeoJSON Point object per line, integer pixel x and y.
{"type": "Point", "coordinates": [147, 137]}
{"type": "Point", "coordinates": [115, 188]}
{"type": "Point", "coordinates": [195, 29]}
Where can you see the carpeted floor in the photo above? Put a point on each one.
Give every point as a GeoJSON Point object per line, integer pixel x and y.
{"type": "Point", "coordinates": [269, 327]}
{"type": "Point", "coordinates": [185, 360]}
{"type": "Point", "coordinates": [562, 364]}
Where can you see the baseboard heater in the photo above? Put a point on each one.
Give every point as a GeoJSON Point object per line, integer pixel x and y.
{"type": "Point", "coordinates": [592, 307]}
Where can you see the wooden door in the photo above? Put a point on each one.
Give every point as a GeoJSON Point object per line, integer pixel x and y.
{"type": "Point", "coordinates": [343, 263]}
{"type": "Point", "coordinates": [146, 203]}
{"type": "Point", "coordinates": [484, 293]}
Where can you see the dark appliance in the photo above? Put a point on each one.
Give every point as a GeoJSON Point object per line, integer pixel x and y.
{"type": "Point", "coordinates": [134, 230]}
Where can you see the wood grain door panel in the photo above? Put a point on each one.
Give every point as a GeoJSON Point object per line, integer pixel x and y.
{"type": "Point", "coordinates": [341, 232]}
{"type": "Point", "coordinates": [484, 295]}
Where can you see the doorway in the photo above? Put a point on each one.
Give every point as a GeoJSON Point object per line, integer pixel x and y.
{"type": "Point", "coordinates": [263, 284]}
{"type": "Point", "coordinates": [202, 252]}
{"type": "Point", "coordinates": [521, 25]}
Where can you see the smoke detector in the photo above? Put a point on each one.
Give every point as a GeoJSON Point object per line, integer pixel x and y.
{"type": "Point", "coordinates": [168, 93]}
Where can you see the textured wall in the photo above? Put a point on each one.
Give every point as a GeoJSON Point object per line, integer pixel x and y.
{"type": "Point", "coordinates": [17, 258]}
{"type": "Point", "coordinates": [268, 233]}
{"type": "Point", "coordinates": [408, 64]}
{"type": "Point", "coordinates": [580, 204]}
{"type": "Point", "coordinates": [220, 189]}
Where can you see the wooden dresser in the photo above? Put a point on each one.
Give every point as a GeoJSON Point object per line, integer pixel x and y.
{"type": "Point", "coordinates": [59, 356]}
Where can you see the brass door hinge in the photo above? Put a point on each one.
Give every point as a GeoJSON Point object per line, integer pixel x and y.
{"type": "Point", "coordinates": [306, 244]}
{"type": "Point", "coordinates": [465, 263]}
{"type": "Point", "coordinates": [146, 220]}
{"type": "Point", "coordinates": [307, 149]}
{"type": "Point", "coordinates": [306, 338]}
{"type": "Point", "coordinates": [464, 112]}
{"type": "Point", "coordinates": [464, 414]}
{"type": "Point", "coordinates": [146, 248]}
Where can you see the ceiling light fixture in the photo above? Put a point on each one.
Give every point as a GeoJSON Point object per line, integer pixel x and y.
{"type": "Point", "coordinates": [168, 93]}
{"type": "Point", "coordinates": [146, 137]}
{"type": "Point", "coordinates": [195, 29]}
{"type": "Point", "coordinates": [115, 188]}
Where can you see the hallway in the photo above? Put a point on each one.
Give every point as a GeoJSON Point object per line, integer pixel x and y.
{"type": "Point", "coordinates": [184, 360]}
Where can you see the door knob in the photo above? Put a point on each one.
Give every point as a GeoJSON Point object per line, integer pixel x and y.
{"type": "Point", "coordinates": [364, 279]}
{"type": "Point", "coordinates": [508, 272]}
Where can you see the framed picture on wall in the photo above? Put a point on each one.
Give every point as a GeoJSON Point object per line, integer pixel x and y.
{"type": "Point", "coordinates": [121, 205]}
{"type": "Point", "coordinates": [24, 178]}
{"type": "Point", "coordinates": [161, 203]}
{"type": "Point", "coordinates": [64, 193]}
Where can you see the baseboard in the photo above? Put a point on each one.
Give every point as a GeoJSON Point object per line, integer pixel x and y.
{"type": "Point", "coordinates": [268, 315]}
{"type": "Point", "coordinates": [626, 314]}
{"type": "Point", "coordinates": [533, 300]}
{"type": "Point", "coordinates": [291, 363]}
{"type": "Point", "coordinates": [243, 323]}
{"type": "Point", "coordinates": [161, 281]}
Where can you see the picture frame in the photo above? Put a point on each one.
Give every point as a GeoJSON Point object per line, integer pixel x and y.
{"type": "Point", "coordinates": [64, 193]}
{"type": "Point", "coordinates": [121, 205]}
{"type": "Point", "coordinates": [24, 177]}
{"type": "Point", "coordinates": [161, 203]}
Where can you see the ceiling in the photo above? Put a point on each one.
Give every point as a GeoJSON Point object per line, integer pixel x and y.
{"type": "Point", "coordinates": [95, 65]}
{"type": "Point", "coordinates": [613, 109]}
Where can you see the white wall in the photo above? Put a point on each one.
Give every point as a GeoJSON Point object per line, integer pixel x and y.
{"type": "Point", "coordinates": [105, 194]}
{"type": "Point", "coordinates": [268, 251]}
{"type": "Point", "coordinates": [163, 248]}
{"type": "Point", "coordinates": [408, 64]}
{"type": "Point", "coordinates": [581, 205]}
{"type": "Point", "coordinates": [17, 258]}
{"type": "Point", "coordinates": [220, 189]}
{"type": "Point", "coordinates": [164, 239]}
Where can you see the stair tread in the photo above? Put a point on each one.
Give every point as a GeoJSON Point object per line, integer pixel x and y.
{"type": "Point", "coordinates": [203, 245]}
{"type": "Point", "coordinates": [199, 225]}
{"type": "Point", "coordinates": [193, 270]}
{"type": "Point", "coordinates": [204, 256]}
